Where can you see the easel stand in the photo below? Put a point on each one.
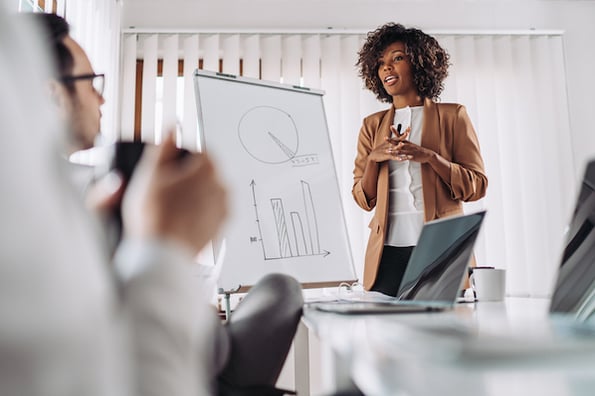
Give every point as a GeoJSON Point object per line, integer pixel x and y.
{"type": "Point", "coordinates": [227, 296]}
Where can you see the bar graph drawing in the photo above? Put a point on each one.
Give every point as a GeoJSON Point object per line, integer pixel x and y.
{"type": "Point", "coordinates": [296, 232]}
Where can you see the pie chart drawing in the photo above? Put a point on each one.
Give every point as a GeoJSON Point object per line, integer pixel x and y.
{"type": "Point", "coordinates": [268, 134]}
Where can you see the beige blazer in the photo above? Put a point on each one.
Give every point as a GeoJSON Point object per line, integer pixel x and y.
{"type": "Point", "coordinates": [447, 130]}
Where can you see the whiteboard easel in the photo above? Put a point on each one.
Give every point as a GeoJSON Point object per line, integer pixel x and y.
{"type": "Point", "coordinates": [271, 145]}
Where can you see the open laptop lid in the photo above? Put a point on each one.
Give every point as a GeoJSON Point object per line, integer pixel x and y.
{"type": "Point", "coordinates": [434, 272]}
{"type": "Point", "coordinates": [440, 259]}
{"type": "Point", "coordinates": [574, 293]}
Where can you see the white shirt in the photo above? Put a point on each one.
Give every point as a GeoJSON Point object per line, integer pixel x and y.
{"type": "Point", "coordinates": [406, 206]}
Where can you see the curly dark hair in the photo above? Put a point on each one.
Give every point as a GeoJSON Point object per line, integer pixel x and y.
{"type": "Point", "coordinates": [429, 61]}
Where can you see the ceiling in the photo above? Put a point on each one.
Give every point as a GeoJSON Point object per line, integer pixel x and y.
{"type": "Point", "coordinates": [243, 14]}
{"type": "Point", "coordinates": [275, 14]}
{"type": "Point", "coordinates": [324, 14]}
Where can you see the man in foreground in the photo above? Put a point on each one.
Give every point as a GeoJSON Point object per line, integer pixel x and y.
{"type": "Point", "coordinates": [70, 324]}
{"type": "Point", "coordinates": [245, 355]}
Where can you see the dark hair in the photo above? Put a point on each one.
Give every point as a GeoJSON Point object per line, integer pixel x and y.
{"type": "Point", "coordinates": [429, 61]}
{"type": "Point", "coordinates": [55, 29]}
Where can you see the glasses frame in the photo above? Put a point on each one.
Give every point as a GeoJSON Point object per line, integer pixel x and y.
{"type": "Point", "coordinates": [98, 80]}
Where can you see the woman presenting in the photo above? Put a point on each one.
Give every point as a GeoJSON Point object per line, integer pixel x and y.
{"type": "Point", "coordinates": [416, 161]}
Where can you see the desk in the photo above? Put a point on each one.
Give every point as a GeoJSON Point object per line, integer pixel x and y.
{"type": "Point", "coordinates": [498, 348]}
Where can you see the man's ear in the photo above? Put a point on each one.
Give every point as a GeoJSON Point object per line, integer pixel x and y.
{"type": "Point", "coordinates": [57, 93]}
{"type": "Point", "coordinates": [60, 97]}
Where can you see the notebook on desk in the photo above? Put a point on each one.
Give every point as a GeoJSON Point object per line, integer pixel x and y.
{"type": "Point", "coordinates": [434, 273]}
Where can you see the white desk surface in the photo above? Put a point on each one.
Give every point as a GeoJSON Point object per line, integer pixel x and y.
{"type": "Point", "coordinates": [490, 348]}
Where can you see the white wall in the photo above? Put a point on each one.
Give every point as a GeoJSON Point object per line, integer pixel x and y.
{"type": "Point", "coordinates": [575, 17]}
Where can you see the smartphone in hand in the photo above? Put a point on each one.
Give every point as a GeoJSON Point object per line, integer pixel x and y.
{"type": "Point", "coordinates": [125, 157]}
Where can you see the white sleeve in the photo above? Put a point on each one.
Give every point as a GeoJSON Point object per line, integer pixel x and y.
{"type": "Point", "coordinates": [165, 309]}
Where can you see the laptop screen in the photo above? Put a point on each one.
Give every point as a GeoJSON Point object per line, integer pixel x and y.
{"type": "Point", "coordinates": [439, 261]}
{"type": "Point", "coordinates": [575, 286]}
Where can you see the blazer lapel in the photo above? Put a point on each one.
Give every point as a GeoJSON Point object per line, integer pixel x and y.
{"type": "Point", "coordinates": [430, 139]}
{"type": "Point", "coordinates": [383, 183]}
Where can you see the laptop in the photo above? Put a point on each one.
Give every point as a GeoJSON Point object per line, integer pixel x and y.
{"type": "Point", "coordinates": [435, 271]}
{"type": "Point", "coordinates": [571, 314]}
{"type": "Point", "coordinates": [574, 293]}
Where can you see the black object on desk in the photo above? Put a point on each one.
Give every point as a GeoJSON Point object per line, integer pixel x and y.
{"type": "Point", "coordinates": [371, 307]}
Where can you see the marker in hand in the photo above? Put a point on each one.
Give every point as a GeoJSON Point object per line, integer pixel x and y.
{"type": "Point", "coordinates": [397, 133]}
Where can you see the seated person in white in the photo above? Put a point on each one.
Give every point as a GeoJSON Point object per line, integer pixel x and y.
{"type": "Point", "coordinates": [70, 329]}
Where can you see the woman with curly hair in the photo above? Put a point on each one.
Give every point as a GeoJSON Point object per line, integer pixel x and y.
{"type": "Point", "coordinates": [416, 161]}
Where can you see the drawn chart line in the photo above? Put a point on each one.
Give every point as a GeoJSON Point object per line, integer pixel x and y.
{"type": "Point", "coordinates": [253, 187]}
{"type": "Point", "coordinates": [282, 146]}
{"type": "Point", "coordinates": [281, 226]}
{"type": "Point", "coordinates": [311, 217]}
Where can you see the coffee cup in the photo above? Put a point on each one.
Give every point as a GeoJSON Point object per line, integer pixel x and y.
{"type": "Point", "coordinates": [489, 283]}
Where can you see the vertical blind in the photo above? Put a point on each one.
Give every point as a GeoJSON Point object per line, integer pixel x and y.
{"type": "Point", "coordinates": [513, 85]}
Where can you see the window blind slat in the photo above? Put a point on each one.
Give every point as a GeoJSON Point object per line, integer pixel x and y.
{"type": "Point", "coordinates": [231, 54]}
{"type": "Point", "coordinates": [350, 84]}
{"type": "Point", "coordinates": [110, 48]}
{"type": "Point", "coordinates": [170, 83]}
{"type": "Point", "coordinates": [330, 59]}
{"type": "Point", "coordinates": [149, 46]}
{"type": "Point", "coordinates": [60, 7]}
{"type": "Point", "coordinates": [251, 56]}
{"type": "Point", "coordinates": [311, 61]}
{"type": "Point", "coordinates": [210, 47]}
{"type": "Point", "coordinates": [291, 60]}
{"type": "Point", "coordinates": [189, 121]}
{"type": "Point", "coordinates": [271, 58]}
{"type": "Point", "coordinates": [128, 88]}
{"type": "Point", "coordinates": [450, 84]}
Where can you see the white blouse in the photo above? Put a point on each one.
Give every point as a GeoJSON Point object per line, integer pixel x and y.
{"type": "Point", "coordinates": [406, 206]}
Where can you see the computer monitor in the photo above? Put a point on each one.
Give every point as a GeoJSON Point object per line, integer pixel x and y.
{"type": "Point", "coordinates": [574, 293]}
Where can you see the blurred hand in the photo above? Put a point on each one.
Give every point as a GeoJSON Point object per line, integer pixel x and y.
{"type": "Point", "coordinates": [177, 199]}
{"type": "Point", "coordinates": [106, 193]}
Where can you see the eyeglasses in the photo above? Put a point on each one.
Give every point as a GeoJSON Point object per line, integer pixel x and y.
{"type": "Point", "coordinates": [98, 80]}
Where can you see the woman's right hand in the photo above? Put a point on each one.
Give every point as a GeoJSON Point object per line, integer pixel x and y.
{"type": "Point", "coordinates": [389, 148]}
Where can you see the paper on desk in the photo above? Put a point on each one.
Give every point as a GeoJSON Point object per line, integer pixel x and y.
{"type": "Point", "coordinates": [369, 296]}
{"type": "Point", "coordinates": [339, 294]}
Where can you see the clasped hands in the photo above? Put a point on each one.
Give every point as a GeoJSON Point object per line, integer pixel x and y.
{"type": "Point", "coordinates": [395, 145]}
{"type": "Point", "coordinates": [398, 148]}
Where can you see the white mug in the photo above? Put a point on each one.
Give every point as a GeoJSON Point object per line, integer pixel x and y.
{"type": "Point", "coordinates": [489, 283]}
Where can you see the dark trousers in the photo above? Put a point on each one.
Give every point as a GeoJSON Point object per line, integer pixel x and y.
{"type": "Point", "coordinates": [391, 269]}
